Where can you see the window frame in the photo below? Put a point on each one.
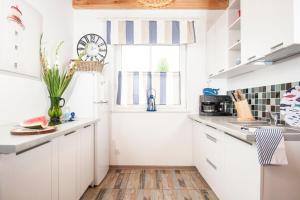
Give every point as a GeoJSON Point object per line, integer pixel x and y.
{"type": "Point", "coordinates": [117, 49]}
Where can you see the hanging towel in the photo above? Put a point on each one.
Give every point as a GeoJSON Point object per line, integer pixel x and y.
{"type": "Point", "coordinates": [270, 146]}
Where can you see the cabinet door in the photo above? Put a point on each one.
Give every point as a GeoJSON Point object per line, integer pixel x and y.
{"type": "Point", "coordinates": [68, 145]}
{"type": "Point", "coordinates": [211, 51]}
{"type": "Point", "coordinates": [27, 175]}
{"type": "Point", "coordinates": [102, 144]}
{"type": "Point", "coordinates": [221, 47]}
{"type": "Point", "coordinates": [86, 158]}
{"type": "Point", "coordinates": [198, 154]}
{"type": "Point", "coordinates": [278, 24]}
{"type": "Point", "coordinates": [253, 19]}
{"type": "Point", "coordinates": [241, 170]}
{"type": "Point", "coordinates": [208, 155]}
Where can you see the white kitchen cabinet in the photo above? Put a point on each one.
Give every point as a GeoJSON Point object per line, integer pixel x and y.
{"type": "Point", "coordinates": [27, 174]}
{"type": "Point", "coordinates": [208, 155]}
{"type": "Point", "coordinates": [76, 163]}
{"type": "Point", "coordinates": [265, 28]}
{"type": "Point", "coordinates": [211, 51]}
{"type": "Point", "coordinates": [198, 147]}
{"type": "Point", "coordinates": [221, 47]}
{"type": "Point", "coordinates": [68, 178]}
{"type": "Point", "coordinates": [86, 158]}
{"type": "Point", "coordinates": [253, 19]}
{"type": "Point", "coordinates": [217, 46]}
{"type": "Point", "coordinates": [242, 178]}
{"type": "Point", "coordinates": [229, 166]}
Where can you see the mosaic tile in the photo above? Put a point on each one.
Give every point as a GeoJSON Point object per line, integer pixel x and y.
{"type": "Point", "coordinates": [266, 98]}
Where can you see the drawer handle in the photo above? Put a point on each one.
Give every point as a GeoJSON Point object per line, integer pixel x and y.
{"type": "Point", "coordinates": [87, 126]}
{"type": "Point", "coordinates": [211, 164]}
{"type": "Point", "coordinates": [211, 138]}
{"type": "Point", "coordinates": [211, 126]}
{"type": "Point", "coordinates": [210, 75]}
{"type": "Point", "coordinates": [70, 133]}
{"type": "Point", "coordinates": [222, 70]}
{"type": "Point", "coordinates": [251, 58]}
{"type": "Point", "coordinates": [276, 46]}
{"type": "Point", "coordinates": [31, 148]}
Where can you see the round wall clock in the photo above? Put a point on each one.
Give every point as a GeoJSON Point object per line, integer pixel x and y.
{"type": "Point", "coordinates": [92, 47]}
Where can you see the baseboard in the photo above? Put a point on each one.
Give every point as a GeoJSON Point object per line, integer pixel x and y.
{"type": "Point", "coordinates": [152, 167]}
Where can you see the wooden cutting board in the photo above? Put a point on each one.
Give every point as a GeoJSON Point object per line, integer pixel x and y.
{"type": "Point", "coordinates": [27, 131]}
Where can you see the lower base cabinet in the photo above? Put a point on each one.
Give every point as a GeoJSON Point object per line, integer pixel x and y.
{"type": "Point", "coordinates": [27, 175]}
{"type": "Point", "coordinates": [67, 170]}
{"type": "Point", "coordinates": [61, 169]}
{"type": "Point", "coordinates": [229, 166]}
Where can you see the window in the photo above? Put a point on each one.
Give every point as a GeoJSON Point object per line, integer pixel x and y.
{"type": "Point", "coordinates": [145, 69]}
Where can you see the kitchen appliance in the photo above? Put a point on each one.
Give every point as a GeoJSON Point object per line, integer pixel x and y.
{"type": "Point", "coordinates": [89, 99]}
{"type": "Point", "coordinates": [151, 106]}
{"type": "Point", "coordinates": [218, 105]}
{"type": "Point", "coordinates": [210, 91]}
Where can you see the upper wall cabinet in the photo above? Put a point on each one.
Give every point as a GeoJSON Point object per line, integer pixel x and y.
{"type": "Point", "coordinates": [267, 31]}
{"type": "Point", "coordinates": [266, 27]}
{"type": "Point", "coordinates": [217, 46]}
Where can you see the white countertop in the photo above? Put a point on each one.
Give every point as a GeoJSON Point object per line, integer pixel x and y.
{"type": "Point", "coordinates": [223, 124]}
{"type": "Point", "coordinates": [11, 143]}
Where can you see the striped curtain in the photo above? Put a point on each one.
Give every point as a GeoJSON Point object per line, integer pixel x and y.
{"type": "Point", "coordinates": [150, 32]}
{"type": "Point", "coordinates": [133, 87]}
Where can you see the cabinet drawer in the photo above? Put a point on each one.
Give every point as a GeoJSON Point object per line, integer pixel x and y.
{"type": "Point", "coordinates": [214, 144]}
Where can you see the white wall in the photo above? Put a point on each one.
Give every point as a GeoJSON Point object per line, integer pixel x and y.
{"type": "Point", "coordinates": [23, 97]}
{"type": "Point", "coordinates": [141, 138]}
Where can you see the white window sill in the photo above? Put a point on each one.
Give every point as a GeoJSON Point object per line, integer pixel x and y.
{"type": "Point", "coordinates": [143, 110]}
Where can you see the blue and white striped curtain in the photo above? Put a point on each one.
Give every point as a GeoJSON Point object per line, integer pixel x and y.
{"type": "Point", "coordinates": [133, 87]}
{"type": "Point", "coordinates": [150, 32]}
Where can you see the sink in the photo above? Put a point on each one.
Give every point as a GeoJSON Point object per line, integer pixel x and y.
{"type": "Point", "coordinates": [284, 129]}
{"type": "Point", "coordinates": [250, 123]}
{"type": "Point", "coordinates": [245, 126]}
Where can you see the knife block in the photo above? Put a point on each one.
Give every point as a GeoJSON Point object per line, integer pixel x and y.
{"type": "Point", "coordinates": [243, 111]}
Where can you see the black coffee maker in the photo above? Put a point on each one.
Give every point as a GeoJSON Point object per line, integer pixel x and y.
{"type": "Point", "coordinates": [218, 105]}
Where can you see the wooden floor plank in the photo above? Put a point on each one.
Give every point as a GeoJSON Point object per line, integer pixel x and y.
{"type": "Point", "coordinates": [151, 184]}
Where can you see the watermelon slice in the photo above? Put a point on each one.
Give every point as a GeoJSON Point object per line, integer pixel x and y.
{"type": "Point", "coordinates": [35, 123]}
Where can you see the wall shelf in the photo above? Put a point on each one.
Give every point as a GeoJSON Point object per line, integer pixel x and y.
{"type": "Point", "coordinates": [234, 5]}
{"type": "Point", "coordinates": [235, 47]}
{"type": "Point", "coordinates": [236, 25]}
{"type": "Point", "coordinates": [237, 70]}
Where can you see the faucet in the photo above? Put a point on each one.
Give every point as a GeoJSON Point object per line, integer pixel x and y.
{"type": "Point", "coordinates": [275, 117]}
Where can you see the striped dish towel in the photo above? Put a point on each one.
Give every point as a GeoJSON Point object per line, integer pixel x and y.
{"type": "Point", "coordinates": [270, 146]}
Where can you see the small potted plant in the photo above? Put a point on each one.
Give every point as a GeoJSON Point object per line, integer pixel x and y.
{"type": "Point", "coordinates": [57, 80]}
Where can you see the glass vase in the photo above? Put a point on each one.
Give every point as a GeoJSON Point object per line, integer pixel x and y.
{"type": "Point", "coordinates": [55, 111]}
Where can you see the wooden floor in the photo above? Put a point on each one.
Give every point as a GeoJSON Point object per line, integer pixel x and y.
{"type": "Point", "coordinates": [151, 184]}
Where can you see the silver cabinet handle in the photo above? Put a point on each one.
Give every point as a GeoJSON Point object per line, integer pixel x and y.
{"type": "Point", "coordinates": [251, 58]}
{"type": "Point", "coordinates": [276, 46]}
{"type": "Point", "coordinates": [211, 164]}
{"type": "Point", "coordinates": [210, 75]}
{"type": "Point", "coordinates": [31, 148]}
{"type": "Point", "coordinates": [70, 133]}
{"type": "Point", "coordinates": [211, 127]}
{"type": "Point", "coordinates": [222, 70]}
{"type": "Point", "coordinates": [211, 138]}
{"type": "Point", "coordinates": [87, 126]}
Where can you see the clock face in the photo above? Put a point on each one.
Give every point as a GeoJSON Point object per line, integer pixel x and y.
{"type": "Point", "coordinates": [92, 47]}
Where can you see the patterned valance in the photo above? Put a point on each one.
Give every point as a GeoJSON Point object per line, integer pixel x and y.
{"type": "Point", "coordinates": [150, 32]}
